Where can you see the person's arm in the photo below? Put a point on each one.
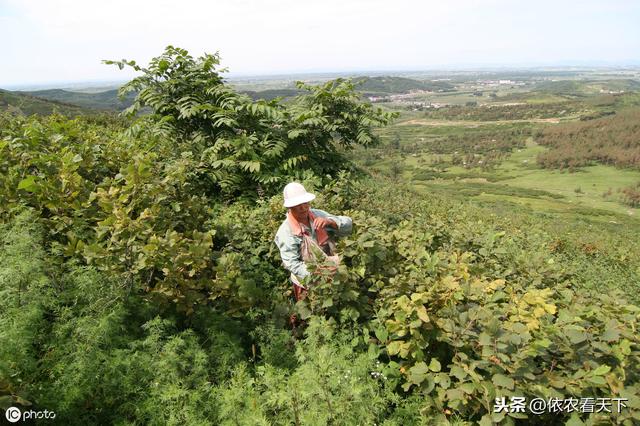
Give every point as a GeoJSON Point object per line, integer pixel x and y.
{"type": "Point", "coordinates": [289, 247]}
{"type": "Point", "coordinates": [344, 224]}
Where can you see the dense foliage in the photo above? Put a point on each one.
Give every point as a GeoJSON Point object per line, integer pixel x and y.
{"type": "Point", "coordinates": [241, 146]}
{"type": "Point", "coordinates": [631, 195]}
{"type": "Point", "coordinates": [480, 142]}
{"type": "Point", "coordinates": [609, 140]}
{"type": "Point", "coordinates": [511, 111]}
{"type": "Point", "coordinates": [139, 282]}
{"type": "Point", "coordinates": [483, 148]}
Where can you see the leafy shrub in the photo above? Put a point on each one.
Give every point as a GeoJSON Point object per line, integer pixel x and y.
{"type": "Point", "coordinates": [139, 282]}
{"type": "Point", "coordinates": [243, 146]}
{"type": "Point", "coordinates": [332, 384]}
{"type": "Point", "coordinates": [505, 112]}
{"type": "Point", "coordinates": [631, 195]}
{"type": "Point", "coordinates": [467, 317]}
{"type": "Point", "coordinates": [83, 346]}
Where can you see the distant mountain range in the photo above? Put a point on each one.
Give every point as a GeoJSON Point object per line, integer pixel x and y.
{"type": "Point", "coordinates": [27, 104]}
{"type": "Point", "coordinates": [368, 86]}
{"type": "Point", "coordinates": [74, 103]}
{"type": "Point", "coordinates": [97, 101]}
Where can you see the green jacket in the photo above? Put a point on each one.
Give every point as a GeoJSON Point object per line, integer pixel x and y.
{"type": "Point", "coordinates": [289, 244]}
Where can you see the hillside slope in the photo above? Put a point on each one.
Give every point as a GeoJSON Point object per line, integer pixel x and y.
{"type": "Point", "coordinates": [101, 101]}
{"type": "Point", "coordinates": [28, 104]}
{"type": "Point", "coordinates": [387, 85]}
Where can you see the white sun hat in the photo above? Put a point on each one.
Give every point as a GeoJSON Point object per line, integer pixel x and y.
{"type": "Point", "coordinates": [295, 194]}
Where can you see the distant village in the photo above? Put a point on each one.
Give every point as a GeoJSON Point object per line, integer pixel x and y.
{"type": "Point", "coordinates": [409, 99]}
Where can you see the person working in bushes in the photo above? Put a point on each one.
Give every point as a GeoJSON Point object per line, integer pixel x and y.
{"type": "Point", "coordinates": [303, 230]}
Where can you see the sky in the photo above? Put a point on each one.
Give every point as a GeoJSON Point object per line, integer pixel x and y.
{"type": "Point", "coordinates": [46, 41]}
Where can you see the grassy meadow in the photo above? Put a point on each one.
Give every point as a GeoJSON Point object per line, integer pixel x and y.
{"type": "Point", "coordinates": [493, 163]}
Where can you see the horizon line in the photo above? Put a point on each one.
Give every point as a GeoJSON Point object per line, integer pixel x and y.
{"type": "Point", "coordinates": [470, 68]}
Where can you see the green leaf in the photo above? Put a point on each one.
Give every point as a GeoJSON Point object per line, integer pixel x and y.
{"type": "Point", "coordinates": [597, 380]}
{"type": "Point", "coordinates": [519, 328]}
{"type": "Point", "coordinates": [422, 313]}
{"type": "Point", "coordinates": [484, 339]}
{"type": "Point", "coordinates": [434, 365]}
{"type": "Point", "coordinates": [458, 372]}
{"type": "Point", "coordinates": [28, 184]}
{"type": "Point", "coordinates": [454, 394]}
{"type": "Point", "coordinates": [418, 373]}
{"type": "Point", "coordinates": [575, 335]}
{"type": "Point", "coordinates": [611, 332]}
{"type": "Point", "coordinates": [544, 342]}
{"type": "Point", "coordinates": [295, 133]}
{"type": "Point", "coordinates": [443, 379]}
{"type": "Point", "coordinates": [574, 420]}
{"type": "Point", "coordinates": [485, 420]}
{"type": "Point", "coordinates": [163, 65]}
{"type": "Point", "coordinates": [381, 334]}
{"type": "Point", "coordinates": [601, 371]}
{"type": "Point", "coordinates": [468, 388]}
{"type": "Point", "coordinates": [503, 381]}
{"type": "Point", "coordinates": [393, 348]}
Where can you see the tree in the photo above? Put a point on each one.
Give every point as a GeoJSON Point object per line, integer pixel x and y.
{"type": "Point", "coordinates": [243, 146]}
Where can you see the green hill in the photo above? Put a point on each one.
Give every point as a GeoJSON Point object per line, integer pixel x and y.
{"type": "Point", "coordinates": [386, 85]}
{"type": "Point", "coordinates": [272, 93]}
{"type": "Point", "coordinates": [366, 85]}
{"type": "Point", "coordinates": [28, 104]}
{"type": "Point", "coordinates": [107, 100]}
{"type": "Point", "coordinates": [43, 101]}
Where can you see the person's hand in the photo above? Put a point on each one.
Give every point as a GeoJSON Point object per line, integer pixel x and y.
{"type": "Point", "coordinates": [323, 222]}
